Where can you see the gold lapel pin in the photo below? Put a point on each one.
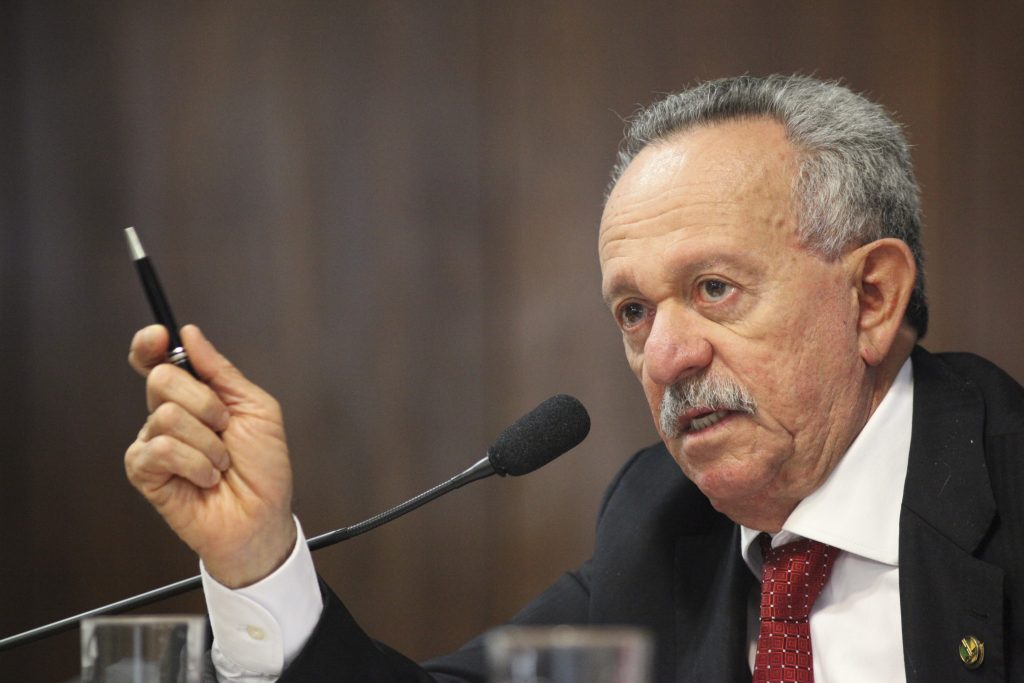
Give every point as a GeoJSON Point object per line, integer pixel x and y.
{"type": "Point", "coordinates": [972, 652]}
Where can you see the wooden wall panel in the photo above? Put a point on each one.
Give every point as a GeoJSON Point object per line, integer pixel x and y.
{"type": "Point", "coordinates": [386, 214]}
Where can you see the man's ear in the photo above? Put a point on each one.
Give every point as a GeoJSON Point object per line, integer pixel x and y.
{"type": "Point", "coordinates": [884, 275]}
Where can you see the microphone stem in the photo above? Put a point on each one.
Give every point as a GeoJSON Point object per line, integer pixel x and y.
{"type": "Point", "coordinates": [119, 607]}
{"type": "Point", "coordinates": [480, 470]}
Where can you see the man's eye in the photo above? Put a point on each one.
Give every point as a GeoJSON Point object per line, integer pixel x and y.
{"type": "Point", "coordinates": [632, 314]}
{"type": "Point", "coordinates": [715, 290]}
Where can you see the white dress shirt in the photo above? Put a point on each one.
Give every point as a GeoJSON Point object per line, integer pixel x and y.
{"type": "Point", "coordinates": [856, 634]}
{"type": "Point", "coordinates": [855, 624]}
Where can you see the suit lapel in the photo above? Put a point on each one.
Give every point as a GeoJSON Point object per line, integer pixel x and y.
{"type": "Point", "coordinates": [946, 593]}
{"type": "Point", "coordinates": [712, 587]}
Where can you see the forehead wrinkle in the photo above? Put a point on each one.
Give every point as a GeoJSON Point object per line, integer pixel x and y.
{"type": "Point", "coordinates": [667, 224]}
{"type": "Point", "coordinates": [638, 198]}
{"type": "Point", "coordinates": [677, 236]}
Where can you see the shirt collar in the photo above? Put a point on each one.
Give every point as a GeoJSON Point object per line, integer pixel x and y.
{"type": "Point", "coordinates": [857, 509]}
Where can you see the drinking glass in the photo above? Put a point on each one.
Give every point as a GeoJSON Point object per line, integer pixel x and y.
{"type": "Point", "coordinates": [144, 649]}
{"type": "Point", "coordinates": [568, 654]}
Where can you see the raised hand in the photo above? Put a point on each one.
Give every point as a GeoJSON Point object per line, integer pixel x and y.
{"type": "Point", "coordinates": [212, 459]}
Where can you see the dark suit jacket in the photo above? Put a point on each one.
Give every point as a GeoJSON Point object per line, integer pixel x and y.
{"type": "Point", "coordinates": [664, 559]}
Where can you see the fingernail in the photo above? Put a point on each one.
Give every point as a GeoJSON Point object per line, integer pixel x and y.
{"type": "Point", "coordinates": [225, 463]}
{"type": "Point", "coordinates": [223, 421]}
{"type": "Point", "coordinates": [214, 478]}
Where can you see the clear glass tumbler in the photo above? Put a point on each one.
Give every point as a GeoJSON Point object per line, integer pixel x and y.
{"type": "Point", "coordinates": [145, 649]}
{"type": "Point", "coordinates": [568, 654]}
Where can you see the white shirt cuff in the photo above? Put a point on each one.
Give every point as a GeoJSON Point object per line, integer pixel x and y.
{"type": "Point", "coordinates": [260, 629]}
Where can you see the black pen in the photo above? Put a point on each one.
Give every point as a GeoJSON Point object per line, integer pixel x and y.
{"type": "Point", "coordinates": [161, 309]}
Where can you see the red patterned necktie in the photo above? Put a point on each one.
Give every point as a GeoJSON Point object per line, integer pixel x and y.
{"type": "Point", "coordinates": [792, 577]}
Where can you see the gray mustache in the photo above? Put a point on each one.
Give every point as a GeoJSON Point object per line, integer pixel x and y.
{"type": "Point", "coordinates": [708, 391]}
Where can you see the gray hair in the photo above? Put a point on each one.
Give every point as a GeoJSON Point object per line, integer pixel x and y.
{"type": "Point", "coordinates": [856, 179]}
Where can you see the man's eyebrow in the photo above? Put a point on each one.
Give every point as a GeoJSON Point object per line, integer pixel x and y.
{"type": "Point", "coordinates": [618, 286]}
{"type": "Point", "coordinates": [621, 285]}
{"type": "Point", "coordinates": [717, 261]}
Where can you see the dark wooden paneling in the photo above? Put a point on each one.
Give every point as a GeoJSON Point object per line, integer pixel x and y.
{"type": "Point", "coordinates": [386, 214]}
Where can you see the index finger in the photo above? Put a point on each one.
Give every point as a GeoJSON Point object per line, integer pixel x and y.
{"type": "Point", "coordinates": [148, 348]}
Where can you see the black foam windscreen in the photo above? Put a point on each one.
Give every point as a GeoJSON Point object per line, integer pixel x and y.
{"type": "Point", "coordinates": [552, 428]}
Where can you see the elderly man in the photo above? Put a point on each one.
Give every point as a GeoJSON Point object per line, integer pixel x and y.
{"type": "Point", "coordinates": [830, 502]}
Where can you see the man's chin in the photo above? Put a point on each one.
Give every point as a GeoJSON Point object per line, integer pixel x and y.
{"type": "Point", "coordinates": [748, 499]}
{"type": "Point", "coordinates": [729, 484]}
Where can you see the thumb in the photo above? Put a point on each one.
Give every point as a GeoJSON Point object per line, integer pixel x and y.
{"type": "Point", "coordinates": [217, 371]}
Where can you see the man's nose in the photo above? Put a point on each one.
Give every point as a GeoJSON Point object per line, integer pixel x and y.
{"type": "Point", "coordinates": [676, 347]}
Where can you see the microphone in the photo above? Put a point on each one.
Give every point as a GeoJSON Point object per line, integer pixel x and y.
{"type": "Point", "coordinates": [555, 426]}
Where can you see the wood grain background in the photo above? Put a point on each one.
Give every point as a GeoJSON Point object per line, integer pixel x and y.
{"type": "Point", "coordinates": [385, 213]}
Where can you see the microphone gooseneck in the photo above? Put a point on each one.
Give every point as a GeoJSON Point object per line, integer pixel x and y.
{"type": "Point", "coordinates": [555, 426]}
{"type": "Point", "coordinates": [552, 428]}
